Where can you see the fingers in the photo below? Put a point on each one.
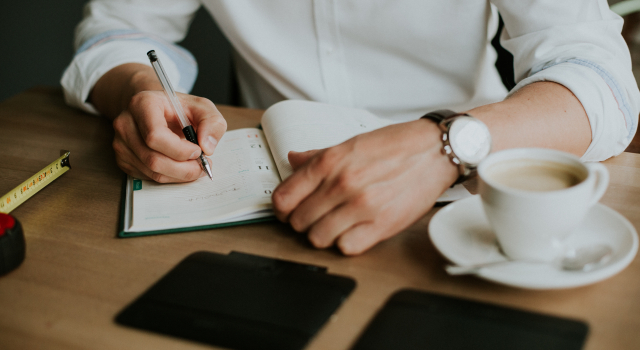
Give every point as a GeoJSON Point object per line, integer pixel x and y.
{"type": "Point", "coordinates": [135, 158]}
{"type": "Point", "coordinates": [372, 204]}
{"type": "Point", "coordinates": [360, 238]}
{"type": "Point", "coordinates": [290, 193]}
{"type": "Point", "coordinates": [349, 184]}
{"type": "Point", "coordinates": [131, 170]}
{"type": "Point", "coordinates": [321, 200]}
{"type": "Point", "coordinates": [149, 140]}
{"type": "Point", "coordinates": [297, 159]}
{"type": "Point", "coordinates": [327, 229]}
{"type": "Point", "coordinates": [331, 193]}
{"type": "Point", "coordinates": [131, 165]}
{"type": "Point", "coordinates": [330, 207]}
{"type": "Point", "coordinates": [150, 111]}
{"type": "Point", "coordinates": [391, 215]}
{"type": "Point", "coordinates": [366, 189]}
{"type": "Point", "coordinates": [209, 123]}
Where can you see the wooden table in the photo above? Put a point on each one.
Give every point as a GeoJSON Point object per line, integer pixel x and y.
{"type": "Point", "coordinates": [77, 275]}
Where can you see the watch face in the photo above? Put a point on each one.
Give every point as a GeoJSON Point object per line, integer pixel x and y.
{"type": "Point", "coordinates": [470, 140]}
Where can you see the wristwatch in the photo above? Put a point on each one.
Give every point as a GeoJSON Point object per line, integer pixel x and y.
{"type": "Point", "coordinates": [465, 140]}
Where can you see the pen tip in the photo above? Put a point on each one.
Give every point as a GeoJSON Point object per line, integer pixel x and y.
{"type": "Point", "coordinates": [208, 169]}
{"type": "Point", "coordinates": [205, 165]}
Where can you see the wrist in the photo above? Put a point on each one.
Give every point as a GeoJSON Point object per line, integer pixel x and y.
{"type": "Point", "coordinates": [141, 78]}
{"type": "Point", "coordinates": [466, 141]}
{"type": "Point", "coordinates": [113, 91]}
{"type": "Point", "coordinates": [431, 137]}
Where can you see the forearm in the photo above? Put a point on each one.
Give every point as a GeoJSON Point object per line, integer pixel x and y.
{"type": "Point", "coordinates": [542, 114]}
{"type": "Point", "coordinates": [113, 91]}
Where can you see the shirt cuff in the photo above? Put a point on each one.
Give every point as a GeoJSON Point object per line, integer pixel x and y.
{"type": "Point", "coordinates": [108, 50]}
{"type": "Point", "coordinates": [612, 122]}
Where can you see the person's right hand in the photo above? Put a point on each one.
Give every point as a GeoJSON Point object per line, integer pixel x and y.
{"type": "Point", "coordinates": [149, 143]}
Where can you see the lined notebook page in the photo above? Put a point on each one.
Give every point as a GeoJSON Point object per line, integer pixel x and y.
{"type": "Point", "coordinates": [244, 176]}
{"type": "Point", "coordinates": [303, 125]}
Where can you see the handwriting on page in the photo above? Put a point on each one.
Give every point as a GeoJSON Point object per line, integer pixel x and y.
{"type": "Point", "coordinates": [244, 177]}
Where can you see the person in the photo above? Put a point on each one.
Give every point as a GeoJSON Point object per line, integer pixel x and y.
{"type": "Point", "coordinates": [398, 59]}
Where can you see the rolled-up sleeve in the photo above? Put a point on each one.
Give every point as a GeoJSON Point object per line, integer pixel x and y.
{"type": "Point", "coordinates": [115, 32]}
{"type": "Point", "coordinates": [577, 44]}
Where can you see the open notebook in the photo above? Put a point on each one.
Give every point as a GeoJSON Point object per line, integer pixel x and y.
{"type": "Point", "coordinates": [247, 166]}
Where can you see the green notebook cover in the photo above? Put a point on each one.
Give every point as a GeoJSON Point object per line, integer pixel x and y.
{"type": "Point", "coordinates": [124, 234]}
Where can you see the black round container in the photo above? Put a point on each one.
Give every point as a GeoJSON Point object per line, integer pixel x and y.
{"type": "Point", "coordinates": [12, 245]}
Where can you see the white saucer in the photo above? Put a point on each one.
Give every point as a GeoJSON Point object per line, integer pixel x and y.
{"type": "Point", "coordinates": [461, 232]}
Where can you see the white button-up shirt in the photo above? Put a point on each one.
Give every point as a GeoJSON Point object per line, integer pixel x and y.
{"type": "Point", "coordinates": [396, 58]}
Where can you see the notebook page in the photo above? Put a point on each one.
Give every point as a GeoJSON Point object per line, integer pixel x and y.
{"type": "Point", "coordinates": [299, 126]}
{"type": "Point", "coordinates": [244, 176]}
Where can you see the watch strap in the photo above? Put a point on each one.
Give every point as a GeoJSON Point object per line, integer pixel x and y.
{"type": "Point", "coordinates": [440, 117]}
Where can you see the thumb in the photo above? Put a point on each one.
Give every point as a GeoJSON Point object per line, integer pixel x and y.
{"type": "Point", "coordinates": [209, 123]}
{"type": "Point", "coordinates": [297, 159]}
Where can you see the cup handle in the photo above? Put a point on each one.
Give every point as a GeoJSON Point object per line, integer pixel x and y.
{"type": "Point", "coordinates": [602, 180]}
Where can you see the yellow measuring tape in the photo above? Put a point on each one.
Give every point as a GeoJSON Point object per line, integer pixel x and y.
{"type": "Point", "coordinates": [35, 183]}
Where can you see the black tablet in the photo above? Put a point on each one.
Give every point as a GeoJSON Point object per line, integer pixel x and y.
{"type": "Point", "coordinates": [240, 301]}
{"type": "Point", "coordinates": [413, 319]}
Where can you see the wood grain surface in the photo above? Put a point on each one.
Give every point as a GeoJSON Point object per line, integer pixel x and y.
{"type": "Point", "coordinates": [77, 275]}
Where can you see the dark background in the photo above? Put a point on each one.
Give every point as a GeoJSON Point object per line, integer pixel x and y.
{"type": "Point", "coordinates": [36, 45]}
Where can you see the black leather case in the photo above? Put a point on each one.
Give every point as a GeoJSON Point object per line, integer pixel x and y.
{"type": "Point", "coordinates": [240, 301]}
{"type": "Point", "coordinates": [413, 319]}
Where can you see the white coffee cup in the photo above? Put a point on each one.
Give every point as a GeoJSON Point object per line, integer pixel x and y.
{"type": "Point", "coordinates": [534, 198]}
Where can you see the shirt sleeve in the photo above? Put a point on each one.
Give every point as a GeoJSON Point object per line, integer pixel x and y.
{"type": "Point", "coordinates": [115, 32]}
{"type": "Point", "coordinates": [578, 44]}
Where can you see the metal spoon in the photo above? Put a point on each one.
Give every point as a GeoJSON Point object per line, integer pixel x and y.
{"type": "Point", "coordinates": [581, 259]}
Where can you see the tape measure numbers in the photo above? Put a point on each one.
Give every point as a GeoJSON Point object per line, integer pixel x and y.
{"type": "Point", "coordinates": [35, 183]}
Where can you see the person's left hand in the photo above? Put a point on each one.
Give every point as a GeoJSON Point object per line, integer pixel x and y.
{"type": "Point", "coordinates": [366, 189]}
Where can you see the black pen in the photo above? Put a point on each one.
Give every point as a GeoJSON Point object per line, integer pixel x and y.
{"type": "Point", "coordinates": [187, 129]}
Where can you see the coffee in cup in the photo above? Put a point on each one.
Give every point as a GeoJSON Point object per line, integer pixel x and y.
{"type": "Point", "coordinates": [535, 175]}
{"type": "Point", "coordinates": [534, 198]}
